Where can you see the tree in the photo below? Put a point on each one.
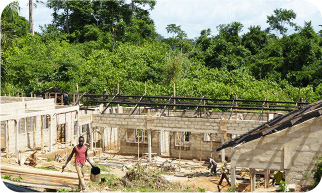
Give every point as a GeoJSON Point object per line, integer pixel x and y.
{"type": "Point", "coordinates": [230, 32]}
{"type": "Point", "coordinates": [114, 17]}
{"type": "Point", "coordinates": [255, 39]}
{"type": "Point", "coordinates": [178, 35]}
{"type": "Point", "coordinates": [9, 19]}
{"type": "Point", "coordinates": [280, 19]}
{"type": "Point", "coordinates": [31, 19]}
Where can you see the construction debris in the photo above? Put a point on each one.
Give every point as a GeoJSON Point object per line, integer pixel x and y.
{"type": "Point", "coordinates": [32, 159]}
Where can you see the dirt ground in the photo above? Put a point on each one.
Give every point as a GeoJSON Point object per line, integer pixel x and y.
{"type": "Point", "coordinates": [191, 173]}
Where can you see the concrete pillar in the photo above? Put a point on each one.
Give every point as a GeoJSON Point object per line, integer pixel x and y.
{"type": "Point", "coordinates": [233, 168]}
{"type": "Point", "coordinates": [7, 139]}
{"type": "Point", "coordinates": [252, 174]}
{"type": "Point", "coordinates": [103, 138]}
{"type": "Point", "coordinates": [266, 178]}
{"type": "Point", "coordinates": [287, 176]}
{"type": "Point", "coordinates": [223, 153]}
{"type": "Point", "coordinates": [16, 138]}
{"type": "Point", "coordinates": [77, 127]}
{"type": "Point", "coordinates": [149, 144]}
{"type": "Point", "coordinates": [91, 138]}
{"type": "Point", "coordinates": [233, 175]}
{"type": "Point", "coordinates": [50, 130]}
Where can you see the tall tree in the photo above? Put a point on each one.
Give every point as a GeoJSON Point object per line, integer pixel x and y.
{"type": "Point", "coordinates": [280, 19]}
{"type": "Point", "coordinates": [31, 18]}
{"type": "Point", "coordinates": [230, 32]}
{"type": "Point", "coordinates": [9, 17]}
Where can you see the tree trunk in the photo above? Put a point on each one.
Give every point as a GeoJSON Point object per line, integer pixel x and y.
{"type": "Point", "coordinates": [67, 15]}
{"type": "Point", "coordinates": [31, 19]}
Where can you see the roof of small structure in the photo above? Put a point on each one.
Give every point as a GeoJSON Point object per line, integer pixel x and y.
{"type": "Point", "coordinates": [277, 124]}
{"type": "Point", "coordinates": [52, 89]}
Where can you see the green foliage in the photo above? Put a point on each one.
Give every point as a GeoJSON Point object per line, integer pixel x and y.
{"type": "Point", "coordinates": [317, 171]}
{"type": "Point", "coordinates": [49, 159]}
{"type": "Point", "coordinates": [18, 179]}
{"type": "Point", "coordinates": [7, 177]}
{"type": "Point", "coordinates": [201, 189]}
{"type": "Point", "coordinates": [232, 189]}
{"type": "Point", "coordinates": [283, 187]}
{"type": "Point", "coordinates": [110, 180]}
{"type": "Point", "coordinates": [97, 47]}
{"type": "Point", "coordinates": [280, 18]}
{"type": "Point", "coordinates": [65, 190]}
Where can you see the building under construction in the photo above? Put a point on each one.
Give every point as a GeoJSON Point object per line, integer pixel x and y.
{"type": "Point", "coordinates": [257, 135]}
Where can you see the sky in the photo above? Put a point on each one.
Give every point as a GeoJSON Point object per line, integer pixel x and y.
{"type": "Point", "coordinates": [196, 15]}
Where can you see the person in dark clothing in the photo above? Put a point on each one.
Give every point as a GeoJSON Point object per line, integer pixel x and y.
{"type": "Point", "coordinates": [213, 166]}
{"type": "Point", "coordinates": [105, 95]}
{"type": "Point", "coordinates": [65, 98]}
{"type": "Point", "coordinates": [224, 175]}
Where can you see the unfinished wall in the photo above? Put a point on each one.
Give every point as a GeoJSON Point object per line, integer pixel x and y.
{"type": "Point", "coordinates": [5, 99]}
{"type": "Point", "coordinates": [130, 147]}
{"type": "Point", "coordinates": [10, 105]}
{"type": "Point", "coordinates": [9, 108]}
{"type": "Point", "coordinates": [197, 126]}
{"type": "Point", "coordinates": [43, 104]}
{"type": "Point", "coordinates": [40, 115]}
{"type": "Point", "coordinates": [190, 113]}
{"type": "Point", "coordinates": [293, 150]}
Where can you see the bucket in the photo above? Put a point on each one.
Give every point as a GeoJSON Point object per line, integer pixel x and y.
{"type": "Point", "coordinates": [95, 174]}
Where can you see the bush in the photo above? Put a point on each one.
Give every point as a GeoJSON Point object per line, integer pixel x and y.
{"type": "Point", "coordinates": [317, 171]}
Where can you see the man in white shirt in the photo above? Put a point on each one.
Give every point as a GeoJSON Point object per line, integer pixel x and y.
{"type": "Point", "coordinates": [213, 166]}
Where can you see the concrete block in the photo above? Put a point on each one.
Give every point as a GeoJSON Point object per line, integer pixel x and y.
{"type": "Point", "coordinates": [315, 147]}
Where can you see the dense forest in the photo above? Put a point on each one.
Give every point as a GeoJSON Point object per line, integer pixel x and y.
{"type": "Point", "coordinates": [99, 44]}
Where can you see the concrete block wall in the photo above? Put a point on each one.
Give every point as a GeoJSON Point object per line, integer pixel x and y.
{"type": "Point", "coordinates": [197, 148]}
{"type": "Point", "coordinates": [13, 108]}
{"type": "Point", "coordinates": [25, 139]}
{"type": "Point", "coordinates": [175, 123]}
{"type": "Point", "coordinates": [293, 150]}
{"type": "Point", "coordinates": [44, 104]}
{"type": "Point", "coordinates": [197, 127]}
{"type": "Point", "coordinates": [5, 99]}
{"type": "Point", "coordinates": [70, 119]}
{"type": "Point", "coordinates": [111, 137]}
{"type": "Point", "coordinates": [190, 113]}
{"type": "Point", "coordinates": [239, 127]}
{"type": "Point", "coordinates": [20, 107]}
{"type": "Point", "coordinates": [131, 148]}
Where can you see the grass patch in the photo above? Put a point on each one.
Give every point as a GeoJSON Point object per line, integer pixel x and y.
{"type": "Point", "coordinates": [7, 177]}
{"type": "Point", "coordinates": [104, 168]}
{"type": "Point", "coordinates": [18, 179]}
{"type": "Point", "coordinates": [48, 159]}
{"type": "Point", "coordinates": [65, 190]}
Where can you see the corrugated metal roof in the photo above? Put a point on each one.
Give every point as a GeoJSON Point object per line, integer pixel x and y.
{"type": "Point", "coordinates": [277, 124]}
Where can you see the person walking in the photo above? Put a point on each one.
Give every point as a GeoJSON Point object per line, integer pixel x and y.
{"type": "Point", "coordinates": [80, 152]}
{"type": "Point", "coordinates": [213, 166]}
